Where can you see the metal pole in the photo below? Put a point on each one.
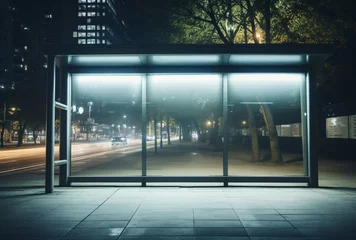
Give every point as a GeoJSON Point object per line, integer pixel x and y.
{"type": "Point", "coordinates": [63, 176]}
{"type": "Point", "coordinates": [51, 78]}
{"type": "Point", "coordinates": [304, 121]}
{"type": "Point", "coordinates": [225, 129]}
{"type": "Point", "coordinates": [312, 127]}
{"type": "Point", "coordinates": [143, 125]}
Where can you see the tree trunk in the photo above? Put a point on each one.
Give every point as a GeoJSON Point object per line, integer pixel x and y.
{"type": "Point", "coordinates": [2, 134]}
{"type": "Point", "coordinates": [34, 136]}
{"type": "Point", "coordinates": [252, 15]}
{"type": "Point", "coordinates": [200, 137]}
{"type": "Point", "coordinates": [168, 132]}
{"type": "Point", "coordinates": [272, 133]}
{"type": "Point", "coordinates": [21, 133]}
{"type": "Point", "coordinates": [185, 131]}
{"type": "Point", "coordinates": [155, 130]}
{"type": "Point", "coordinates": [180, 131]}
{"type": "Point", "coordinates": [267, 16]}
{"type": "Point", "coordinates": [214, 133]}
{"type": "Point", "coordinates": [254, 135]}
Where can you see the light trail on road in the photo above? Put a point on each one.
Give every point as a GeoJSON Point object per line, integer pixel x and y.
{"type": "Point", "coordinates": [17, 160]}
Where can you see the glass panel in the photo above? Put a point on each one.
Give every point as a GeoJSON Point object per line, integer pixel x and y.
{"type": "Point", "coordinates": [264, 114]}
{"type": "Point", "coordinates": [106, 120]}
{"type": "Point", "coordinates": [188, 113]}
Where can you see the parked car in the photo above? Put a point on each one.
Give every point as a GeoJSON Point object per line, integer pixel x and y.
{"type": "Point", "coordinates": [119, 140]}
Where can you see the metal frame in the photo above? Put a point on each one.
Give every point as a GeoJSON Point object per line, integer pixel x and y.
{"type": "Point", "coordinates": [65, 124]}
{"type": "Point", "coordinates": [308, 108]}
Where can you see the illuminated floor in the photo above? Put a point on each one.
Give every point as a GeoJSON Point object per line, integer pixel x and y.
{"type": "Point", "coordinates": [178, 213]}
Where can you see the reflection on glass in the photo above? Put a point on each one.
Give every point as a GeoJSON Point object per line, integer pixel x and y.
{"type": "Point", "coordinates": [106, 125]}
{"type": "Point", "coordinates": [264, 124]}
{"type": "Point", "coordinates": [185, 120]}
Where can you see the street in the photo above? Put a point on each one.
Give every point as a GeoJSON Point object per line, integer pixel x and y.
{"type": "Point", "coordinates": [15, 160]}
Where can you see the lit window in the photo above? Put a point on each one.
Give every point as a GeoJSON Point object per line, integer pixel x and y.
{"type": "Point", "coordinates": [91, 1]}
{"type": "Point", "coordinates": [98, 27]}
{"type": "Point", "coordinates": [98, 34]}
{"type": "Point", "coordinates": [48, 16]}
{"type": "Point", "coordinates": [82, 7]}
{"type": "Point", "coordinates": [45, 65]}
{"type": "Point", "coordinates": [91, 34]}
{"type": "Point", "coordinates": [103, 41]}
{"type": "Point", "coordinates": [88, 20]}
{"type": "Point", "coordinates": [81, 41]}
{"type": "Point", "coordinates": [103, 34]}
{"type": "Point", "coordinates": [97, 41]}
{"type": "Point", "coordinates": [91, 27]}
{"type": "Point", "coordinates": [23, 59]}
{"type": "Point", "coordinates": [25, 67]}
{"type": "Point", "coordinates": [98, 14]}
{"type": "Point", "coordinates": [82, 14]}
{"type": "Point", "coordinates": [91, 14]}
{"type": "Point", "coordinates": [25, 47]}
{"type": "Point", "coordinates": [75, 34]}
{"type": "Point", "coordinates": [104, 27]}
{"type": "Point", "coordinates": [82, 34]}
{"type": "Point", "coordinates": [82, 27]}
{"type": "Point", "coordinates": [103, 1]}
{"type": "Point", "coordinates": [91, 41]}
{"type": "Point", "coordinates": [103, 13]}
{"type": "Point", "coordinates": [82, 1]}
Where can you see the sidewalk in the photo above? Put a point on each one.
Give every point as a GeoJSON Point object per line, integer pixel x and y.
{"type": "Point", "coordinates": [178, 214]}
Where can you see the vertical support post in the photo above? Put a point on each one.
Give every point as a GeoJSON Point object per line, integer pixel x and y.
{"type": "Point", "coordinates": [143, 125]}
{"type": "Point", "coordinates": [225, 129]}
{"type": "Point", "coordinates": [312, 127]}
{"type": "Point", "coordinates": [155, 129]}
{"type": "Point", "coordinates": [50, 121]}
{"type": "Point", "coordinates": [64, 134]}
{"type": "Point", "coordinates": [304, 121]}
{"type": "Point", "coordinates": [69, 125]}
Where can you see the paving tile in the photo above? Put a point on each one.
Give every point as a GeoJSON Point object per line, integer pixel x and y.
{"type": "Point", "coordinates": [306, 217]}
{"type": "Point", "coordinates": [266, 224]}
{"type": "Point", "coordinates": [157, 238]}
{"type": "Point", "coordinates": [159, 231]}
{"type": "Point", "coordinates": [220, 231]}
{"type": "Point", "coordinates": [327, 232]}
{"type": "Point", "coordinates": [109, 217]}
{"type": "Point", "coordinates": [273, 232]}
{"type": "Point", "coordinates": [102, 224]}
{"type": "Point", "coordinates": [277, 238]}
{"type": "Point", "coordinates": [217, 223]}
{"type": "Point", "coordinates": [221, 238]}
{"type": "Point", "coordinates": [260, 217]}
{"type": "Point", "coordinates": [255, 211]}
{"type": "Point", "coordinates": [214, 214]}
{"type": "Point", "coordinates": [161, 223]}
{"type": "Point", "coordinates": [84, 232]}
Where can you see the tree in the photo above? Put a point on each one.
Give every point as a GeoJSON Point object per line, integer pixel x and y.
{"type": "Point", "coordinates": [252, 21]}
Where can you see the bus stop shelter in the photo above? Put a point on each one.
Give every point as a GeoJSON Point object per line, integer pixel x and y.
{"type": "Point", "coordinates": [223, 60]}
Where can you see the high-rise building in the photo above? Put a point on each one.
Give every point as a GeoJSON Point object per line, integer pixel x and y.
{"type": "Point", "coordinates": [99, 22]}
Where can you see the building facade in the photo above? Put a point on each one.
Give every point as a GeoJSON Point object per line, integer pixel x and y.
{"type": "Point", "coordinates": [99, 22]}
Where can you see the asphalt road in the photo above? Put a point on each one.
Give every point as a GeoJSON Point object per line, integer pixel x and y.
{"type": "Point", "coordinates": [17, 160]}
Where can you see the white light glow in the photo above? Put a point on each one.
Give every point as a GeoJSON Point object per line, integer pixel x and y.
{"type": "Point", "coordinates": [211, 81]}
{"type": "Point", "coordinates": [108, 80]}
{"type": "Point", "coordinates": [185, 59]}
{"type": "Point", "coordinates": [108, 60]}
{"type": "Point", "coordinates": [262, 78]}
{"type": "Point", "coordinates": [266, 59]}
